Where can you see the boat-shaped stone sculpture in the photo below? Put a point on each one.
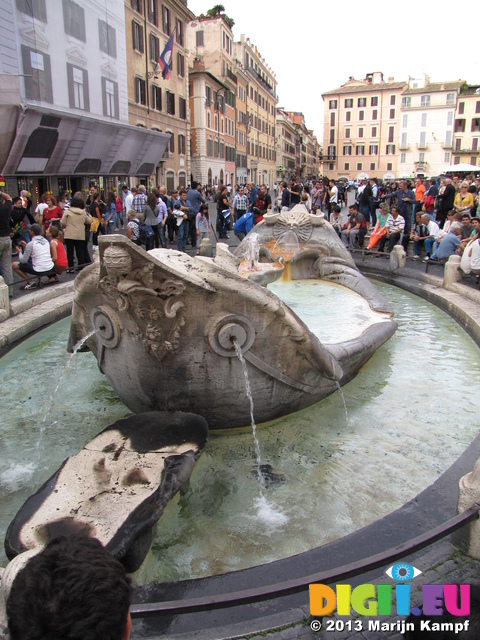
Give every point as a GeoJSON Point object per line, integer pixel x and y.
{"type": "Point", "coordinates": [165, 324]}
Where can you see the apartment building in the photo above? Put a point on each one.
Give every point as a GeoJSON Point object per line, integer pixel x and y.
{"type": "Point", "coordinates": [428, 124]}
{"type": "Point", "coordinates": [65, 62]}
{"type": "Point", "coordinates": [208, 143]}
{"type": "Point", "coordinates": [261, 109]}
{"type": "Point", "coordinates": [155, 103]}
{"type": "Point", "coordinates": [210, 42]}
{"type": "Point", "coordinates": [362, 119]}
{"type": "Point", "coordinates": [241, 124]}
{"type": "Point", "coordinates": [286, 137]}
{"type": "Point", "coordinates": [467, 126]}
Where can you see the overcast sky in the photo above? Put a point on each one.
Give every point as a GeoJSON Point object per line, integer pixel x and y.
{"type": "Point", "coordinates": [315, 47]}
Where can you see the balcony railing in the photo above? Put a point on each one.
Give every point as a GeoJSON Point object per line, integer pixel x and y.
{"type": "Point", "coordinates": [404, 147]}
{"type": "Point", "coordinates": [422, 145]}
{"type": "Point", "coordinates": [447, 145]}
{"type": "Point", "coordinates": [232, 76]}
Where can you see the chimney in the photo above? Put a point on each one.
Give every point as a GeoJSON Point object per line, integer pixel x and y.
{"type": "Point", "coordinates": [198, 64]}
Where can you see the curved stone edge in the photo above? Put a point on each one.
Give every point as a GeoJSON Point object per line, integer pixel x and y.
{"type": "Point", "coordinates": [436, 504]}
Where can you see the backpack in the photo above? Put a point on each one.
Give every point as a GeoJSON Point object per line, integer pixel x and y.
{"type": "Point", "coordinates": [145, 233]}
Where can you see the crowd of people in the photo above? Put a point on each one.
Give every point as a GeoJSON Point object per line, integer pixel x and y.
{"type": "Point", "coordinates": [60, 234]}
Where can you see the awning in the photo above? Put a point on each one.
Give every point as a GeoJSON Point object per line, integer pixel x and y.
{"type": "Point", "coordinates": [49, 142]}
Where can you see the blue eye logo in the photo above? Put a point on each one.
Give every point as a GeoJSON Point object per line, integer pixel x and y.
{"type": "Point", "coordinates": [402, 572]}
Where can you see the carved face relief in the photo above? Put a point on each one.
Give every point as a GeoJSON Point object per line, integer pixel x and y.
{"type": "Point", "coordinates": [296, 222]}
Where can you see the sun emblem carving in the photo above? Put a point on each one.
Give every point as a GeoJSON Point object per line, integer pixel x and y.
{"type": "Point", "coordinates": [294, 221]}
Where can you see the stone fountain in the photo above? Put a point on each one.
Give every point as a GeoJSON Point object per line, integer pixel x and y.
{"type": "Point", "coordinates": [165, 325]}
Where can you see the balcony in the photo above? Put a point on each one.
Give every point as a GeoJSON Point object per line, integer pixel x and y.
{"type": "Point", "coordinates": [447, 145]}
{"type": "Point", "coordinates": [422, 145]}
{"type": "Point", "coordinates": [232, 76]}
{"type": "Point", "coordinates": [404, 147]}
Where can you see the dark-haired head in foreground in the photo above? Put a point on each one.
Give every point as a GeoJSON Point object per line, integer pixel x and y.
{"type": "Point", "coordinates": [72, 590]}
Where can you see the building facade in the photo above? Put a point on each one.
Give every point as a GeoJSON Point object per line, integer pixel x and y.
{"type": "Point", "coordinates": [467, 126]}
{"type": "Point", "coordinates": [427, 126]}
{"type": "Point", "coordinates": [156, 103]}
{"type": "Point", "coordinates": [362, 119]}
{"type": "Point", "coordinates": [286, 135]}
{"type": "Point", "coordinates": [65, 63]}
{"type": "Point", "coordinates": [261, 110]}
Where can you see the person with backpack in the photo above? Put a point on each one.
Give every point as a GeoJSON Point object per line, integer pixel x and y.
{"type": "Point", "coordinates": [182, 211]}
{"type": "Point", "coordinates": [223, 212]}
{"type": "Point", "coordinates": [133, 227]}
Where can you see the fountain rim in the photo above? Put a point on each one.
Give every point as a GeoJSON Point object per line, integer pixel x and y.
{"type": "Point", "coordinates": [434, 505]}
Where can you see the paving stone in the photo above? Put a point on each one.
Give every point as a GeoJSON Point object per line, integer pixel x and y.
{"type": "Point", "coordinates": [291, 633]}
{"type": "Point", "coordinates": [447, 567]}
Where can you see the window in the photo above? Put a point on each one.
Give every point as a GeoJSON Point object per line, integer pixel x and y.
{"type": "Point", "coordinates": [461, 108]}
{"type": "Point", "coordinates": [107, 40]}
{"type": "Point", "coordinates": [360, 132]}
{"type": "Point", "coordinates": [170, 179]}
{"type": "Point", "coordinates": [403, 158]}
{"type": "Point", "coordinates": [448, 139]}
{"type": "Point", "coordinates": [458, 144]}
{"type": "Point", "coordinates": [392, 113]}
{"type": "Point", "coordinates": [374, 114]}
{"type": "Point", "coordinates": [170, 103]}
{"type": "Point", "coordinates": [154, 48]}
{"type": "Point", "coordinates": [361, 102]}
{"type": "Point", "coordinates": [473, 160]}
{"type": "Point", "coordinates": [421, 157]}
{"type": "Point", "coordinates": [332, 136]}
{"type": "Point", "coordinates": [210, 147]}
{"type": "Point", "coordinates": [475, 144]}
{"type": "Point", "coordinates": [425, 101]}
{"type": "Point", "coordinates": [208, 91]}
{"type": "Point", "coordinates": [390, 150]}
{"type": "Point", "coordinates": [423, 140]}
{"type": "Point", "coordinates": [179, 32]}
{"type": "Point", "coordinates": [477, 106]}
{"type": "Point", "coordinates": [405, 121]}
{"type": "Point", "coordinates": [331, 152]}
{"type": "Point", "coordinates": [140, 93]}
{"type": "Point", "coordinates": [37, 75]}
{"type": "Point", "coordinates": [33, 8]}
{"type": "Point", "coordinates": [374, 132]}
{"type": "Point", "coordinates": [456, 160]}
{"type": "Point", "coordinates": [181, 144]}
{"type": "Point", "coordinates": [391, 134]}
{"type": "Point", "coordinates": [406, 102]}
{"type": "Point", "coordinates": [361, 115]}
{"type": "Point", "coordinates": [332, 104]}
{"type": "Point", "coordinates": [331, 166]}
{"type": "Point", "coordinates": [389, 166]}
{"type": "Point", "coordinates": [450, 99]}
{"type": "Point", "coordinates": [166, 20]}
{"type": "Point", "coordinates": [348, 103]}
{"type": "Point", "coordinates": [199, 38]}
{"type": "Point", "coordinates": [447, 157]}
{"type": "Point", "coordinates": [74, 20]}
{"type": "Point", "coordinates": [449, 118]}
{"type": "Point", "coordinates": [110, 98]}
{"type": "Point", "coordinates": [393, 100]}
{"type": "Point", "coordinates": [209, 120]}
{"type": "Point", "coordinates": [346, 166]}
{"type": "Point", "coordinates": [137, 36]}
{"type": "Point", "coordinates": [423, 122]}
{"type": "Point", "coordinates": [347, 132]}
{"type": "Point", "coordinates": [372, 166]}
{"type": "Point", "coordinates": [216, 122]}
{"type": "Point", "coordinates": [347, 149]}
{"type": "Point", "coordinates": [348, 116]}
{"type": "Point", "coordinates": [374, 101]}
{"type": "Point", "coordinates": [373, 150]}
{"type": "Point", "coordinates": [171, 147]}
{"type": "Point", "coordinates": [332, 119]}
{"type": "Point", "coordinates": [460, 125]}
{"type": "Point", "coordinates": [77, 88]}
{"type": "Point", "coordinates": [180, 65]}
{"type": "Point", "coordinates": [403, 143]}
{"type": "Point", "coordinates": [359, 166]}
{"type": "Point", "coordinates": [360, 150]}
{"type": "Point", "coordinates": [137, 5]}
{"type": "Point", "coordinates": [156, 98]}
{"type": "Point", "coordinates": [153, 11]}
{"type": "Point", "coordinates": [475, 124]}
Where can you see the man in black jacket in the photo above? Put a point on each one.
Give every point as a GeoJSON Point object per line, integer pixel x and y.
{"type": "Point", "coordinates": [447, 199]}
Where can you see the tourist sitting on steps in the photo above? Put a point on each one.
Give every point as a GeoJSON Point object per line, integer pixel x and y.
{"type": "Point", "coordinates": [74, 588]}
{"type": "Point", "coordinates": [355, 228]}
{"type": "Point", "coordinates": [449, 244]}
{"type": "Point", "coordinates": [394, 225]}
{"type": "Point", "coordinates": [38, 250]}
